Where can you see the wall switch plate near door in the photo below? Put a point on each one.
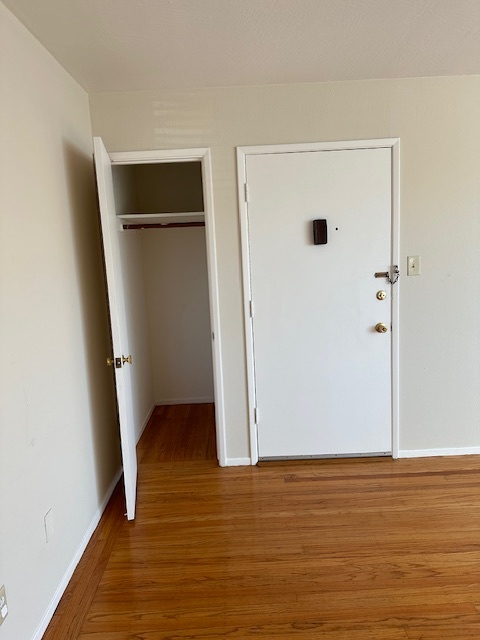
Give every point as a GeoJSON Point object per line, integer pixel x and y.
{"type": "Point", "coordinates": [3, 605]}
{"type": "Point", "coordinates": [413, 266]}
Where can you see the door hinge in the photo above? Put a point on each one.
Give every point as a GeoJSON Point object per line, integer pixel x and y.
{"type": "Point", "coordinates": [251, 308]}
{"type": "Point", "coordinates": [255, 415]}
{"type": "Point", "coordinates": [246, 192]}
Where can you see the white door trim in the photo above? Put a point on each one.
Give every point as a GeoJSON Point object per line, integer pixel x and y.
{"type": "Point", "coordinates": [198, 155]}
{"type": "Point", "coordinates": [242, 152]}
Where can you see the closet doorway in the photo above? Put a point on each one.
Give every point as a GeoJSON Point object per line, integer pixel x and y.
{"type": "Point", "coordinates": [156, 211]}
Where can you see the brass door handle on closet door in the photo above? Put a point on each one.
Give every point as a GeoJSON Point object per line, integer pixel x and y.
{"type": "Point", "coordinates": [118, 362]}
{"type": "Point", "coordinates": [114, 361]}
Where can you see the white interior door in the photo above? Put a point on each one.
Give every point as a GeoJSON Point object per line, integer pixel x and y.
{"type": "Point", "coordinates": [111, 229]}
{"type": "Point", "coordinates": [322, 371]}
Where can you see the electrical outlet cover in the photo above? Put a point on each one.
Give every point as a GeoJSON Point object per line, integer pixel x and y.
{"type": "Point", "coordinates": [48, 523]}
{"type": "Point", "coordinates": [3, 605]}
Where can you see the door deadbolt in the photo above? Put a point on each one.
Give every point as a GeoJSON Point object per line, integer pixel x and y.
{"type": "Point", "coordinates": [381, 295]}
{"type": "Point", "coordinates": [381, 327]}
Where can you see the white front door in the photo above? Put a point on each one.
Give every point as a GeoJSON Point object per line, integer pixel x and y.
{"type": "Point", "coordinates": [322, 370]}
{"type": "Point", "coordinates": [112, 248]}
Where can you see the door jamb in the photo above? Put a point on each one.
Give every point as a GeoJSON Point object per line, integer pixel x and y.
{"type": "Point", "coordinates": [198, 155]}
{"type": "Point", "coordinates": [242, 152]}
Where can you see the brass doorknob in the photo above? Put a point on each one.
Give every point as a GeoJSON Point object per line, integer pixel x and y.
{"type": "Point", "coordinates": [127, 359]}
{"type": "Point", "coordinates": [381, 328]}
{"type": "Point", "coordinates": [114, 361]}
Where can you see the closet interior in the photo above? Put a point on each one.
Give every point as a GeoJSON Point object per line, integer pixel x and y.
{"type": "Point", "coordinates": [164, 267]}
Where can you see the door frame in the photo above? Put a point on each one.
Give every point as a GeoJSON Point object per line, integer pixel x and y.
{"type": "Point", "coordinates": [198, 155]}
{"type": "Point", "coordinates": [242, 152]}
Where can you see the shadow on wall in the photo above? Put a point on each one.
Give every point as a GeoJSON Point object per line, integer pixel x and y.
{"type": "Point", "coordinates": [86, 242]}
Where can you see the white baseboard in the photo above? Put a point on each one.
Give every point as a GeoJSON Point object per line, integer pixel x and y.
{"type": "Point", "coordinates": [238, 462]}
{"type": "Point", "coordinates": [428, 453]}
{"type": "Point", "coordinates": [201, 400]}
{"type": "Point", "coordinates": [145, 422]}
{"type": "Point", "coordinates": [42, 627]}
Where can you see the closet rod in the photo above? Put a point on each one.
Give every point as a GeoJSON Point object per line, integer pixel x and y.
{"type": "Point", "coordinates": [164, 225]}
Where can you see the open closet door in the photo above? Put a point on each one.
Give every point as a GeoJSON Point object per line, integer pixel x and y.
{"type": "Point", "coordinates": [111, 229]}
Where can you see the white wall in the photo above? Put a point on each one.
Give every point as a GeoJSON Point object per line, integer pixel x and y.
{"type": "Point", "coordinates": [175, 268]}
{"type": "Point", "coordinates": [171, 187]}
{"type": "Point", "coordinates": [438, 124]}
{"type": "Point", "coordinates": [58, 433]}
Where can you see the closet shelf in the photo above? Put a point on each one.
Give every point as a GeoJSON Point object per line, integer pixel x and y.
{"type": "Point", "coordinates": [161, 218]}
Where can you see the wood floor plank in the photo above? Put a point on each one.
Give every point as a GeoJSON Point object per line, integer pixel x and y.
{"type": "Point", "coordinates": [377, 550]}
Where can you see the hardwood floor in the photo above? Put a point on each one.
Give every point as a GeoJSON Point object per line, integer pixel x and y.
{"type": "Point", "coordinates": [179, 433]}
{"type": "Point", "coordinates": [370, 550]}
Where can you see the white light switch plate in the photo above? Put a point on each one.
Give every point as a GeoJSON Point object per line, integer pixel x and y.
{"type": "Point", "coordinates": [413, 266]}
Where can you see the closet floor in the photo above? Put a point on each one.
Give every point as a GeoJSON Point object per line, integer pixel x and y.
{"type": "Point", "coordinates": [179, 433]}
